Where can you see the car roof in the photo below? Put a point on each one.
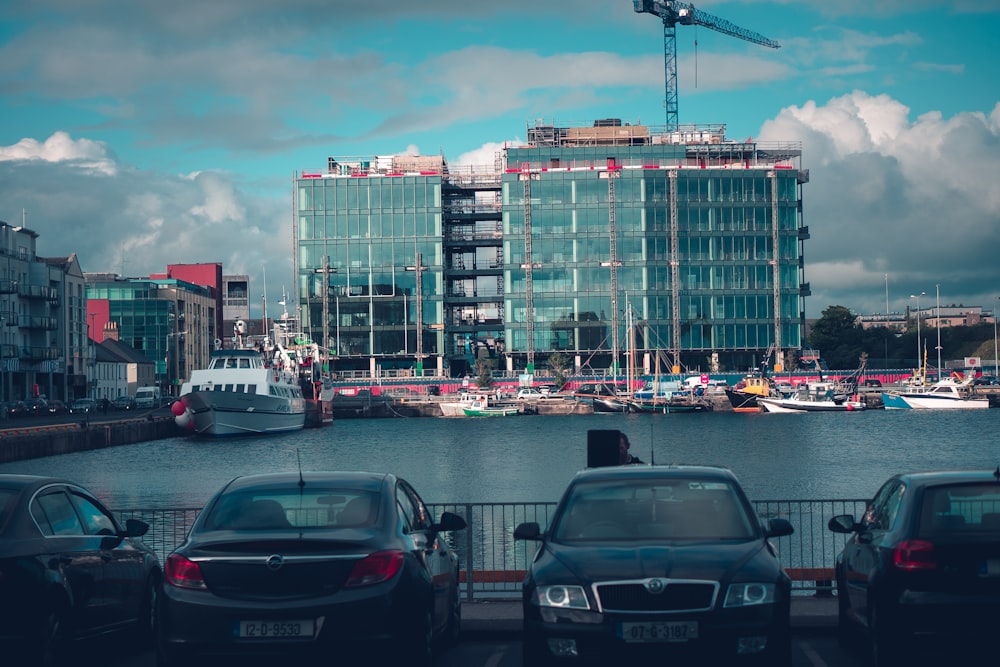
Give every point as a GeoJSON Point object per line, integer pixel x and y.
{"type": "Point", "coordinates": [366, 481]}
{"type": "Point", "coordinates": [937, 477]}
{"type": "Point", "coordinates": [633, 471]}
{"type": "Point", "coordinates": [26, 482]}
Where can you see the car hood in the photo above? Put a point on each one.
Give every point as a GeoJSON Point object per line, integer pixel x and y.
{"type": "Point", "coordinates": [715, 561]}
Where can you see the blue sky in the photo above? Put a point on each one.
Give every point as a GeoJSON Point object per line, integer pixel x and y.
{"type": "Point", "coordinates": [138, 134]}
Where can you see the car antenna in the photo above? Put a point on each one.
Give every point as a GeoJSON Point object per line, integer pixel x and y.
{"type": "Point", "coordinates": [652, 455]}
{"type": "Point", "coordinates": [302, 482]}
{"type": "Point", "coordinates": [996, 474]}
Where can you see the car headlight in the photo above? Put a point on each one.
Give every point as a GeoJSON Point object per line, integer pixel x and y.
{"type": "Point", "coordinates": [749, 594]}
{"type": "Point", "coordinates": [561, 597]}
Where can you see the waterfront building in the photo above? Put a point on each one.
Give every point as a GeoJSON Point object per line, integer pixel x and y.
{"type": "Point", "coordinates": [683, 249]}
{"type": "Point", "coordinates": [118, 369]}
{"type": "Point", "coordinates": [43, 325]}
{"type": "Point", "coordinates": [172, 322]}
{"type": "Point", "coordinates": [235, 298]}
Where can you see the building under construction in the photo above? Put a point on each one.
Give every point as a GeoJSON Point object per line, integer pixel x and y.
{"type": "Point", "coordinates": [604, 242]}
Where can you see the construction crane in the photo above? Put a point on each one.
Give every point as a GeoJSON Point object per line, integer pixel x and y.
{"type": "Point", "coordinates": [673, 13]}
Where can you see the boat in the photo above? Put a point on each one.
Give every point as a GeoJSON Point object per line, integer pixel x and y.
{"type": "Point", "coordinates": [676, 403]}
{"type": "Point", "coordinates": [946, 394]}
{"type": "Point", "coordinates": [745, 396]}
{"type": "Point", "coordinates": [466, 400]}
{"type": "Point", "coordinates": [812, 397]}
{"type": "Point", "coordinates": [482, 408]}
{"type": "Point", "coordinates": [247, 390]}
{"type": "Point", "coordinates": [610, 404]}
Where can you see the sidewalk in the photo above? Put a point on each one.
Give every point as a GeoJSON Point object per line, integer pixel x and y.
{"type": "Point", "coordinates": [503, 616]}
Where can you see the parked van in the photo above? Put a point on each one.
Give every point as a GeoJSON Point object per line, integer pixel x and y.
{"type": "Point", "coordinates": [147, 397]}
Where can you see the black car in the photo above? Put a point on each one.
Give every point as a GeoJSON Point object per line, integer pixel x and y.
{"type": "Point", "coordinates": [322, 564]}
{"type": "Point", "coordinates": [656, 564]}
{"type": "Point", "coordinates": [922, 566]}
{"type": "Point", "coordinates": [123, 402]}
{"type": "Point", "coordinates": [68, 571]}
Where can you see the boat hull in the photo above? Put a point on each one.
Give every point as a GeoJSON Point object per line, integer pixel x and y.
{"type": "Point", "coordinates": [609, 405]}
{"type": "Point", "coordinates": [793, 405]}
{"type": "Point", "coordinates": [224, 413]}
{"type": "Point", "coordinates": [742, 401]}
{"type": "Point", "coordinates": [490, 412]}
{"type": "Point", "coordinates": [927, 402]}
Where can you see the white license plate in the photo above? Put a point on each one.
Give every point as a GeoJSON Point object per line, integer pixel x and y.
{"type": "Point", "coordinates": [274, 629]}
{"type": "Point", "coordinates": [676, 631]}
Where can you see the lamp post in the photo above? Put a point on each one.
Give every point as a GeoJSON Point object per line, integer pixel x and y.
{"type": "Point", "coordinates": [917, 297]}
{"type": "Point", "coordinates": [326, 271]}
{"type": "Point", "coordinates": [886, 360]}
{"type": "Point", "coordinates": [937, 318]}
{"type": "Point", "coordinates": [996, 358]}
{"type": "Point", "coordinates": [419, 269]}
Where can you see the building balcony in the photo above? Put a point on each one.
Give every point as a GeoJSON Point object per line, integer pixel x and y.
{"type": "Point", "coordinates": [40, 353]}
{"type": "Point", "coordinates": [43, 292]}
{"type": "Point", "coordinates": [8, 351]}
{"type": "Point", "coordinates": [8, 287]}
{"type": "Point", "coordinates": [37, 322]}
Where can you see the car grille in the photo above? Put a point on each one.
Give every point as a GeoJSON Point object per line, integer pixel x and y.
{"type": "Point", "coordinates": [656, 595]}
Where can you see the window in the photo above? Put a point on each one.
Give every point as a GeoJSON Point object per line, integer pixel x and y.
{"type": "Point", "coordinates": [54, 514]}
{"type": "Point", "coordinates": [95, 519]}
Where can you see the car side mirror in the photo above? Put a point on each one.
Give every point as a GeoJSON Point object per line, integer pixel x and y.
{"type": "Point", "coordinates": [528, 531]}
{"type": "Point", "coordinates": [449, 521]}
{"type": "Point", "coordinates": [843, 523]}
{"type": "Point", "coordinates": [135, 528]}
{"type": "Point", "coordinates": [779, 527]}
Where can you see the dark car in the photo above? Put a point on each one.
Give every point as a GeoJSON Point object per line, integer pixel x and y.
{"type": "Point", "coordinates": [68, 571]}
{"type": "Point", "coordinates": [322, 564]}
{"type": "Point", "coordinates": [15, 409]}
{"type": "Point", "coordinates": [872, 382]}
{"type": "Point", "coordinates": [57, 407]}
{"type": "Point", "coordinates": [36, 407]}
{"type": "Point", "coordinates": [922, 564]}
{"type": "Point", "coordinates": [83, 406]}
{"type": "Point", "coordinates": [123, 402]}
{"type": "Point", "coordinates": [655, 564]}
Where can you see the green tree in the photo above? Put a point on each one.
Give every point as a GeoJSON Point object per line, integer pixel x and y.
{"type": "Point", "coordinates": [559, 363]}
{"type": "Point", "coordinates": [838, 337]}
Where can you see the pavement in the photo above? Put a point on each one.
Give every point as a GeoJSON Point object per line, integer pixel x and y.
{"type": "Point", "coordinates": [810, 614]}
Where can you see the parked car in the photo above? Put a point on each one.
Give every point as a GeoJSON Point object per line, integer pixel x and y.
{"type": "Point", "coordinates": [922, 564]}
{"type": "Point", "coordinates": [596, 389]}
{"type": "Point", "coordinates": [547, 390]}
{"type": "Point", "coordinates": [68, 571]}
{"type": "Point", "coordinates": [872, 382]}
{"type": "Point", "coordinates": [57, 407]}
{"type": "Point", "coordinates": [667, 561]}
{"type": "Point", "coordinates": [528, 394]}
{"type": "Point", "coordinates": [316, 563]}
{"type": "Point", "coordinates": [123, 402]}
{"type": "Point", "coordinates": [985, 381]}
{"type": "Point", "coordinates": [83, 406]}
{"type": "Point", "coordinates": [36, 407]}
{"type": "Point", "coordinates": [15, 409]}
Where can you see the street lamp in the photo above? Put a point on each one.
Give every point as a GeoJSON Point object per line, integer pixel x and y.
{"type": "Point", "coordinates": [919, 363]}
{"type": "Point", "coordinates": [937, 317]}
{"type": "Point", "coordinates": [419, 269]}
{"type": "Point", "coordinates": [326, 271]}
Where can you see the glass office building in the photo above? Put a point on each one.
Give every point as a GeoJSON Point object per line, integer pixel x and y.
{"type": "Point", "coordinates": [683, 249]}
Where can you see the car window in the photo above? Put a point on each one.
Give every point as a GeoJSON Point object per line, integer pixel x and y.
{"type": "Point", "coordinates": [882, 512]}
{"type": "Point", "coordinates": [678, 509]}
{"type": "Point", "coordinates": [8, 500]}
{"type": "Point", "coordinates": [412, 507]}
{"type": "Point", "coordinates": [54, 514]}
{"type": "Point", "coordinates": [95, 520]}
{"type": "Point", "coordinates": [960, 508]}
{"type": "Point", "coordinates": [314, 507]}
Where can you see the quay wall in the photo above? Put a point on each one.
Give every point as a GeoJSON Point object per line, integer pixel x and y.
{"type": "Point", "coordinates": [18, 444]}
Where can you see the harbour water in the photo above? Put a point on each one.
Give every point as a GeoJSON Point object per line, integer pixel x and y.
{"type": "Point", "coordinates": [531, 458]}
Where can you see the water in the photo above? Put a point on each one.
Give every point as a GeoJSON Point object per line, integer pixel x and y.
{"type": "Point", "coordinates": [531, 458]}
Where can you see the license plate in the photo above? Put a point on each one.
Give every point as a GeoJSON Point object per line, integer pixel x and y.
{"type": "Point", "coordinates": [676, 631]}
{"type": "Point", "coordinates": [274, 629]}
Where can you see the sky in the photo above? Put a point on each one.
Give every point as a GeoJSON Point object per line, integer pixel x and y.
{"type": "Point", "coordinates": [140, 134]}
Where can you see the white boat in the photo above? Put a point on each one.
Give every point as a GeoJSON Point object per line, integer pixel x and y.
{"type": "Point", "coordinates": [457, 408]}
{"type": "Point", "coordinates": [482, 408]}
{"type": "Point", "coordinates": [947, 394]}
{"type": "Point", "coordinates": [238, 394]}
{"type": "Point", "coordinates": [813, 397]}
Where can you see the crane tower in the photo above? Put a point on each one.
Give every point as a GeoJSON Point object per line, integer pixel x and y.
{"type": "Point", "coordinates": [672, 13]}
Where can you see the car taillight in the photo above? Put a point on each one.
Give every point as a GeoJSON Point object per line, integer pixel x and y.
{"type": "Point", "coordinates": [914, 555]}
{"type": "Point", "coordinates": [375, 568]}
{"type": "Point", "coordinates": [182, 572]}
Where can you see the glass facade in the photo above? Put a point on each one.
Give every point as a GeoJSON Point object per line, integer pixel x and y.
{"type": "Point", "coordinates": [703, 241]}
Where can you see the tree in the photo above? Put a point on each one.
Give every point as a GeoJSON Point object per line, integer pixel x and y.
{"type": "Point", "coordinates": [838, 338]}
{"type": "Point", "coordinates": [559, 363]}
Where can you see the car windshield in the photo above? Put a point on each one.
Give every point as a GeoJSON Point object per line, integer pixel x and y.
{"type": "Point", "coordinates": [966, 508]}
{"type": "Point", "coordinates": [275, 509]}
{"type": "Point", "coordinates": [675, 509]}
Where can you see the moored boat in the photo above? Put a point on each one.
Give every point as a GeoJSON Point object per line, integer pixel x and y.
{"type": "Point", "coordinates": [947, 394]}
{"type": "Point", "coordinates": [745, 397]}
{"type": "Point", "coordinates": [482, 408]}
{"type": "Point", "coordinates": [238, 394]}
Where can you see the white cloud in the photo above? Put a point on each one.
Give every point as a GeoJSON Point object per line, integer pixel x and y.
{"type": "Point", "coordinates": [62, 148]}
{"type": "Point", "coordinates": [912, 198]}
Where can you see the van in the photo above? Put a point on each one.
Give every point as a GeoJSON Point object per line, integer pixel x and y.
{"type": "Point", "coordinates": [147, 397]}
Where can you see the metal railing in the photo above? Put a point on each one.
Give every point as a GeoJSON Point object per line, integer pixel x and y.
{"type": "Point", "coordinates": [493, 563]}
